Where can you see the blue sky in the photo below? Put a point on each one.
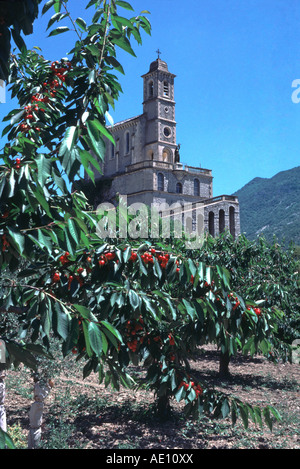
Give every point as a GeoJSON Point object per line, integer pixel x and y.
{"type": "Point", "coordinates": [235, 61]}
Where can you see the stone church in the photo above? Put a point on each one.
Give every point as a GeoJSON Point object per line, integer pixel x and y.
{"type": "Point", "coordinates": [144, 164]}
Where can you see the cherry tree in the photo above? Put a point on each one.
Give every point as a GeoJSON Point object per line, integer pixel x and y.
{"type": "Point", "coordinates": [112, 302]}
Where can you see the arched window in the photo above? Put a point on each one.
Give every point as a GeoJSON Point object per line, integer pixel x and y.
{"type": "Point", "coordinates": [166, 88]}
{"type": "Point", "coordinates": [151, 89]}
{"type": "Point", "coordinates": [194, 217]}
{"type": "Point", "coordinates": [166, 154]}
{"type": "Point", "coordinates": [127, 143]}
{"type": "Point", "coordinates": [196, 187]}
{"type": "Point", "coordinates": [178, 188]}
{"type": "Point", "coordinates": [150, 154]}
{"type": "Point", "coordinates": [112, 153]}
{"type": "Point", "coordinates": [221, 221]}
{"type": "Point", "coordinates": [211, 223]}
{"type": "Point", "coordinates": [232, 221]}
{"type": "Point", "coordinates": [160, 182]}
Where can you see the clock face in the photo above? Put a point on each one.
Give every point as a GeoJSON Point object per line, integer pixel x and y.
{"type": "Point", "coordinates": [167, 131]}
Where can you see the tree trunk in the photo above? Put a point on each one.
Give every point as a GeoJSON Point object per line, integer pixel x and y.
{"type": "Point", "coordinates": [3, 425]}
{"type": "Point", "coordinates": [224, 365]}
{"type": "Point", "coordinates": [163, 408]}
{"type": "Point", "coordinates": [36, 413]}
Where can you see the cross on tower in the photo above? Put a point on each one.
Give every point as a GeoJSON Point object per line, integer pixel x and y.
{"type": "Point", "coordinates": [158, 53]}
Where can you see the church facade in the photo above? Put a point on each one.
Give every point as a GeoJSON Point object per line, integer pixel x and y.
{"type": "Point", "coordinates": [144, 164]}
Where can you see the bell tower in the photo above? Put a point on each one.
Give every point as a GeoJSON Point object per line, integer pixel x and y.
{"type": "Point", "coordinates": [159, 112]}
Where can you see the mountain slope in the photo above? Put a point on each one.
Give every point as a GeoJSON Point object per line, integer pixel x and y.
{"type": "Point", "coordinates": [272, 207]}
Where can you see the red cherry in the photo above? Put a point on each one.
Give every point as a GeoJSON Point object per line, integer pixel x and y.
{"type": "Point", "coordinates": [70, 281]}
{"type": "Point", "coordinates": [257, 311]}
{"type": "Point", "coordinates": [56, 277]}
{"type": "Point", "coordinates": [110, 256]}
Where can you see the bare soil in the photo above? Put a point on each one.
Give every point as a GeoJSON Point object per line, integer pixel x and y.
{"type": "Point", "coordinates": [100, 418]}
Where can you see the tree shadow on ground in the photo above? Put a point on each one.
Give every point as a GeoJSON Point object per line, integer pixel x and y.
{"type": "Point", "coordinates": [238, 376]}
{"type": "Point", "coordinates": [123, 426]}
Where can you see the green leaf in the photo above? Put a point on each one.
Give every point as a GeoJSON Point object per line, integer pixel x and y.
{"type": "Point", "coordinates": [95, 128]}
{"type": "Point", "coordinates": [6, 441]}
{"type": "Point", "coordinates": [125, 5]}
{"type": "Point", "coordinates": [156, 268]}
{"type": "Point", "coordinates": [257, 413]}
{"type": "Point", "coordinates": [43, 202]}
{"type": "Point", "coordinates": [81, 23]}
{"type": "Point", "coordinates": [72, 338]}
{"type": "Point", "coordinates": [89, 350]}
{"type": "Point", "coordinates": [115, 63]}
{"type": "Point", "coordinates": [97, 148]}
{"type": "Point", "coordinates": [95, 338]}
{"type": "Point", "coordinates": [83, 310]}
{"type": "Point", "coordinates": [189, 308]}
{"type": "Point", "coordinates": [57, 17]}
{"type": "Point", "coordinates": [134, 299]}
{"type": "Point", "coordinates": [71, 163]}
{"type": "Point", "coordinates": [179, 394]}
{"type": "Point", "coordinates": [150, 307]}
{"type": "Point", "coordinates": [73, 230]}
{"type": "Point", "coordinates": [69, 140]}
{"type": "Point", "coordinates": [59, 30]}
{"type": "Point", "coordinates": [124, 44]}
{"type": "Point", "coordinates": [62, 320]}
{"type": "Point", "coordinates": [112, 329]}
{"type": "Point", "coordinates": [16, 117]}
{"type": "Point", "coordinates": [267, 416]}
{"type": "Point", "coordinates": [44, 168]}
{"type": "Point", "coordinates": [275, 413]}
{"type": "Point", "coordinates": [18, 354]}
{"type": "Point", "coordinates": [94, 50]}
{"type": "Point", "coordinates": [57, 5]}
{"type": "Point", "coordinates": [119, 22]}
{"type": "Point", "coordinates": [225, 409]}
{"type": "Point", "coordinates": [12, 183]}
{"type": "Point", "coordinates": [88, 159]}
{"type": "Point", "coordinates": [45, 241]}
{"type": "Point", "coordinates": [104, 343]}
{"type": "Point", "coordinates": [18, 239]}
{"type": "Point", "coordinates": [127, 254]}
{"type": "Point", "coordinates": [244, 414]}
{"type": "Point", "coordinates": [47, 6]}
{"type": "Point", "coordinates": [19, 41]}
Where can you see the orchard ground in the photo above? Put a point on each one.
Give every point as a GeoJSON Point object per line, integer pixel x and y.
{"type": "Point", "coordinates": [81, 414]}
